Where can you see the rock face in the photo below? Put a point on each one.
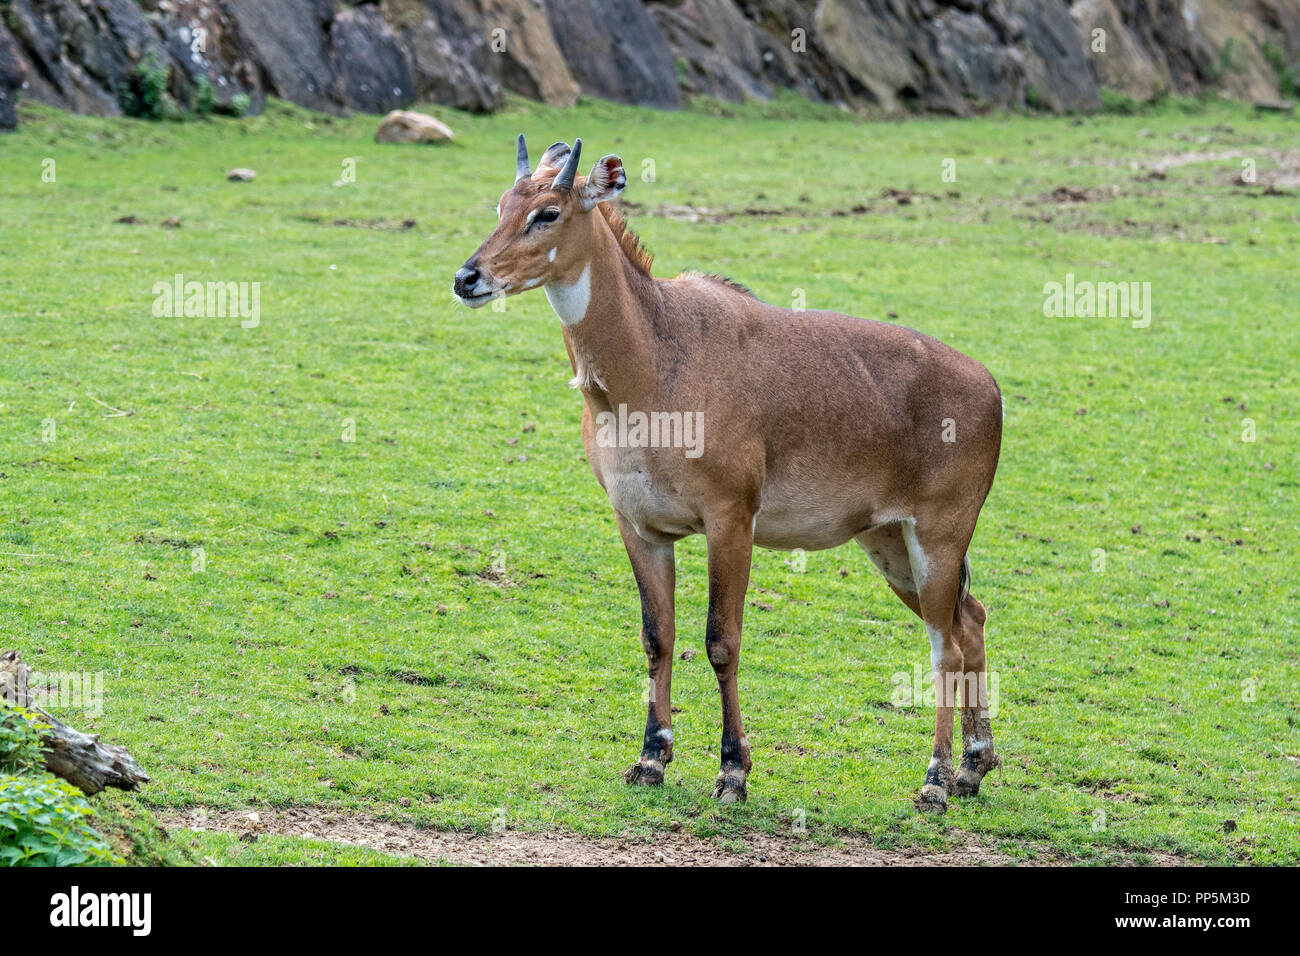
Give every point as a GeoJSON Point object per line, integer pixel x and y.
{"type": "Point", "coordinates": [12, 75]}
{"type": "Point", "coordinates": [524, 56]}
{"type": "Point", "coordinates": [615, 50]}
{"type": "Point", "coordinates": [1117, 57]}
{"type": "Point", "coordinates": [371, 72]}
{"type": "Point", "coordinates": [894, 56]}
{"type": "Point", "coordinates": [1054, 60]}
{"type": "Point", "coordinates": [449, 57]}
{"type": "Point", "coordinates": [286, 38]}
{"type": "Point", "coordinates": [407, 126]}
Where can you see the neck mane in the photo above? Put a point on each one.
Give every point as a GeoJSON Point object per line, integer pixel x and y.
{"type": "Point", "coordinates": [628, 240]}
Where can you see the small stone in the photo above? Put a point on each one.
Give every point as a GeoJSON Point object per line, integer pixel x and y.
{"type": "Point", "coordinates": [408, 126]}
{"type": "Point", "coordinates": [240, 175]}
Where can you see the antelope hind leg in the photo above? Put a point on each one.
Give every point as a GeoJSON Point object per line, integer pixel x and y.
{"type": "Point", "coordinates": [978, 756]}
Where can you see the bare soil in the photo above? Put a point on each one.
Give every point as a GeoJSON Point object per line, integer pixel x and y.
{"type": "Point", "coordinates": [563, 848]}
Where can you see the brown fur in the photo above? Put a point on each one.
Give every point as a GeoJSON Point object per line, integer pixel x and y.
{"type": "Point", "coordinates": [818, 428]}
{"type": "Point", "coordinates": [628, 240]}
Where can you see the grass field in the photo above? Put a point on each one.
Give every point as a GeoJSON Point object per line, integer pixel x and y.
{"type": "Point", "coordinates": [435, 622]}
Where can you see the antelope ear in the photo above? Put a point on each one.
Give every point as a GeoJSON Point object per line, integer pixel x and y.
{"type": "Point", "coordinates": [605, 181]}
{"type": "Point", "coordinates": [552, 161]}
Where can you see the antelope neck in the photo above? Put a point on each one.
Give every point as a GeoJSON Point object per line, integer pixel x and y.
{"type": "Point", "coordinates": [606, 315]}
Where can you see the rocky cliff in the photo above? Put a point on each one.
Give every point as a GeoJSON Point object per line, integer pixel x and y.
{"type": "Point", "coordinates": [949, 56]}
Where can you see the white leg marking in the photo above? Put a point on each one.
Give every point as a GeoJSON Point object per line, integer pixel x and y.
{"type": "Point", "coordinates": [666, 735]}
{"type": "Point", "coordinates": [936, 646]}
{"type": "Point", "coordinates": [570, 299]}
{"type": "Point", "coordinates": [914, 553]}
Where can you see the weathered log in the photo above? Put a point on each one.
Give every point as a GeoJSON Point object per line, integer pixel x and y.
{"type": "Point", "coordinates": [78, 758]}
{"type": "Point", "coordinates": [1274, 106]}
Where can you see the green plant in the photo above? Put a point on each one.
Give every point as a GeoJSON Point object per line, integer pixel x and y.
{"type": "Point", "coordinates": [1118, 103]}
{"type": "Point", "coordinates": [1288, 76]}
{"type": "Point", "coordinates": [1035, 101]}
{"type": "Point", "coordinates": [239, 104]}
{"type": "Point", "coordinates": [145, 94]}
{"type": "Point", "coordinates": [20, 741]}
{"type": "Point", "coordinates": [205, 96]}
{"type": "Point", "coordinates": [46, 822]}
{"type": "Point", "coordinates": [1231, 60]}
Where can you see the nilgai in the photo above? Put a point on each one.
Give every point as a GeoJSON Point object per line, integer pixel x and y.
{"type": "Point", "coordinates": [707, 411]}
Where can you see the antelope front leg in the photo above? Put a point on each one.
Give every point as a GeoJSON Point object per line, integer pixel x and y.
{"type": "Point", "coordinates": [656, 578]}
{"type": "Point", "coordinates": [731, 545]}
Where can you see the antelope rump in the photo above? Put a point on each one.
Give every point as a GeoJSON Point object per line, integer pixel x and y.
{"type": "Point", "coordinates": [817, 428]}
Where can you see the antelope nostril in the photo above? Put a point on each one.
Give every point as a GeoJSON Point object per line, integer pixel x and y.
{"type": "Point", "coordinates": [466, 278]}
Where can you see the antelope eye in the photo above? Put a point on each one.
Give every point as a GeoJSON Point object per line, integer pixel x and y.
{"type": "Point", "coordinates": [549, 214]}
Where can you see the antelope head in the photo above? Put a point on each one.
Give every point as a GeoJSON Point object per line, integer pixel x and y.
{"type": "Point", "coordinates": [544, 228]}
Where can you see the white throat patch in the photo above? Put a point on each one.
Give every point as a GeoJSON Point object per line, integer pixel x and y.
{"type": "Point", "coordinates": [570, 299]}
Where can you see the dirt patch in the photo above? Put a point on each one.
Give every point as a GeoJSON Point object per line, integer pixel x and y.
{"type": "Point", "coordinates": [382, 225]}
{"type": "Point", "coordinates": [1069, 194]}
{"type": "Point", "coordinates": [1285, 173]}
{"type": "Point", "coordinates": [562, 848]}
{"type": "Point", "coordinates": [694, 214]}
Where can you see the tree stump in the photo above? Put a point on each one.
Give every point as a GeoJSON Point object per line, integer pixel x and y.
{"type": "Point", "coordinates": [78, 758]}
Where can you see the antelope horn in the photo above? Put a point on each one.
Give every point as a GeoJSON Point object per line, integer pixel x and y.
{"type": "Point", "coordinates": [564, 181]}
{"type": "Point", "coordinates": [521, 160]}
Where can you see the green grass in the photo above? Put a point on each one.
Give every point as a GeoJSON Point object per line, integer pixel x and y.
{"type": "Point", "coordinates": [345, 644]}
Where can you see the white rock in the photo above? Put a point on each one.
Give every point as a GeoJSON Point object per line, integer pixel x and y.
{"type": "Point", "coordinates": [408, 126]}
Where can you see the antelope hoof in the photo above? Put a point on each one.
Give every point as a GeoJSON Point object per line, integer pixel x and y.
{"type": "Point", "coordinates": [973, 768]}
{"type": "Point", "coordinates": [932, 799]}
{"type": "Point", "coordinates": [645, 772]}
{"type": "Point", "coordinates": [730, 787]}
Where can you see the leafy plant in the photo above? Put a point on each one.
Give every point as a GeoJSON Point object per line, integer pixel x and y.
{"type": "Point", "coordinates": [1288, 76]}
{"type": "Point", "coordinates": [205, 96]}
{"type": "Point", "coordinates": [1231, 60]}
{"type": "Point", "coordinates": [145, 94]}
{"type": "Point", "coordinates": [20, 741]}
{"type": "Point", "coordinates": [1118, 103]}
{"type": "Point", "coordinates": [46, 822]}
{"type": "Point", "coordinates": [1035, 101]}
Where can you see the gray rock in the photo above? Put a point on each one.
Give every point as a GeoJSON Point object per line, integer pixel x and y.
{"type": "Point", "coordinates": [718, 51]}
{"type": "Point", "coordinates": [42, 27]}
{"type": "Point", "coordinates": [370, 66]}
{"type": "Point", "coordinates": [449, 60]}
{"type": "Point", "coordinates": [952, 56]}
{"type": "Point", "coordinates": [616, 51]}
{"type": "Point", "coordinates": [1119, 61]}
{"type": "Point", "coordinates": [287, 40]}
{"type": "Point", "coordinates": [12, 74]}
{"type": "Point", "coordinates": [1055, 66]}
{"type": "Point", "coordinates": [971, 69]}
{"type": "Point", "coordinates": [868, 41]}
{"type": "Point", "coordinates": [523, 54]}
